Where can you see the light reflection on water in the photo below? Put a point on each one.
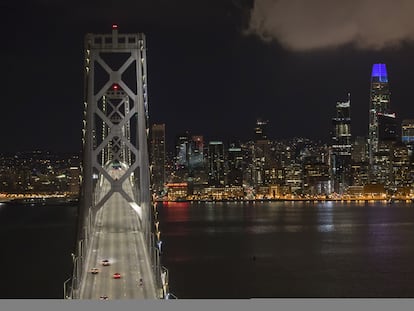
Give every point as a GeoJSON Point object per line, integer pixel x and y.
{"type": "Point", "coordinates": [273, 217]}
{"type": "Point", "coordinates": [303, 249]}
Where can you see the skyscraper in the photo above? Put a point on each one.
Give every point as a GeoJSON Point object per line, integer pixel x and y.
{"type": "Point", "coordinates": [182, 151]}
{"type": "Point", "coordinates": [341, 146]}
{"type": "Point", "coordinates": [379, 105]}
{"type": "Point", "coordinates": [382, 128]}
{"type": "Point", "coordinates": [360, 162]}
{"type": "Point", "coordinates": [197, 169]}
{"type": "Point", "coordinates": [216, 172]}
{"type": "Point", "coordinates": [235, 165]}
{"type": "Point", "coordinates": [158, 157]}
{"type": "Point", "coordinates": [260, 130]}
{"type": "Point", "coordinates": [263, 161]}
{"type": "Point", "coordinates": [196, 156]}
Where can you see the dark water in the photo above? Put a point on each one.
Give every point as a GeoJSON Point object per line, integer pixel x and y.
{"type": "Point", "coordinates": [36, 242]}
{"type": "Point", "coordinates": [233, 250]}
{"type": "Point", "coordinates": [240, 250]}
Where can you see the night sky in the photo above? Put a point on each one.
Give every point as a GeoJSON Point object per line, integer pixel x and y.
{"type": "Point", "coordinates": [214, 66]}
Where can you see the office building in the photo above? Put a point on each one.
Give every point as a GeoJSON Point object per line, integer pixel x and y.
{"type": "Point", "coordinates": [341, 146]}
{"type": "Point", "coordinates": [234, 165]}
{"type": "Point", "coordinates": [216, 164]}
{"type": "Point", "coordinates": [382, 128]}
{"type": "Point", "coordinates": [158, 157]}
{"type": "Point", "coordinates": [264, 161]}
{"type": "Point", "coordinates": [379, 104]}
{"type": "Point", "coordinates": [260, 131]}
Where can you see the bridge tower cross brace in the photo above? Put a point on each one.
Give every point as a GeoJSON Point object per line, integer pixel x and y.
{"type": "Point", "coordinates": [115, 126]}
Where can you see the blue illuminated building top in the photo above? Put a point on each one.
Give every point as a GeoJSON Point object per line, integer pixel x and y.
{"type": "Point", "coordinates": [380, 71]}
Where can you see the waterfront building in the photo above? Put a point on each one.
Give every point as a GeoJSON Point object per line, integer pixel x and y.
{"type": "Point", "coordinates": [401, 166]}
{"type": "Point", "coordinates": [341, 146]}
{"type": "Point", "coordinates": [197, 170]}
{"type": "Point", "coordinates": [261, 147]}
{"type": "Point", "coordinates": [196, 152]}
{"type": "Point", "coordinates": [40, 172]}
{"type": "Point", "coordinates": [264, 164]}
{"type": "Point", "coordinates": [293, 178]}
{"type": "Point", "coordinates": [177, 191]}
{"type": "Point", "coordinates": [381, 168]}
{"type": "Point", "coordinates": [316, 176]}
{"type": "Point", "coordinates": [247, 150]}
{"type": "Point", "coordinates": [234, 165]}
{"type": "Point", "coordinates": [382, 127]}
{"type": "Point", "coordinates": [158, 158]}
{"type": "Point", "coordinates": [216, 164]}
{"type": "Point", "coordinates": [182, 157]}
{"type": "Point", "coordinates": [182, 150]}
{"type": "Point", "coordinates": [379, 104]}
{"type": "Point", "coordinates": [359, 169]}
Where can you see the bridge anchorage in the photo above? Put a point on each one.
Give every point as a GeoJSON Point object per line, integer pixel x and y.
{"type": "Point", "coordinates": [117, 252]}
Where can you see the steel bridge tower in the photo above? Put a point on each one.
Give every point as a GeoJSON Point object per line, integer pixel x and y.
{"type": "Point", "coordinates": [115, 133]}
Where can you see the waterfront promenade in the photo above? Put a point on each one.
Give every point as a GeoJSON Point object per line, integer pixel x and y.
{"type": "Point", "coordinates": [64, 197]}
{"type": "Point", "coordinates": [389, 199]}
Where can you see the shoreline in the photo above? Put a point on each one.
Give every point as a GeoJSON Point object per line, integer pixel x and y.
{"type": "Point", "coordinates": [71, 199]}
{"type": "Point", "coordinates": [388, 200]}
{"type": "Point", "coordinates": [40, 200]}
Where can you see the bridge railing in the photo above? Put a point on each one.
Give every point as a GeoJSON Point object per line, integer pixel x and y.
{"type": "Point", "coordinates": [67, 289]}
{"type": "Point", "coordinates": [72, 285]}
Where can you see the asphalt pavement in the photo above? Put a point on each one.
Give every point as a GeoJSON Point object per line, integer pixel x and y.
{"type": "Point", "coordinates": [119, 239]}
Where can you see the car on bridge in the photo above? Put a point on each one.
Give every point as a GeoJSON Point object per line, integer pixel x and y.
{"type": "Point", "coordinates": [117, 275]}
{"type": "Point", "coordinates": [94, 270]}
{"type": "Point", "coordinates": [106, 262]}
{"type": "Point", "coordinates": [103, 297]}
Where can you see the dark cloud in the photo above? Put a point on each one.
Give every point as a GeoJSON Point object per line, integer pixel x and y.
{"type": "Point", "coordinates": [308, 25]}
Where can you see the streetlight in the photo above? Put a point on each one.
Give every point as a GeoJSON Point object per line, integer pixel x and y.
{"type": "Point", "coordinates": [65, 290]}
{"type": "Point", "coordinates": [159, 246]}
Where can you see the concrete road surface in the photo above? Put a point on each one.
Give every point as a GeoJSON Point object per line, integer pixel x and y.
{"type": "Point", "coordinates": [118, 238]}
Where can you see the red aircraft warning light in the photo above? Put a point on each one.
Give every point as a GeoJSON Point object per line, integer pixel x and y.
{"type": "Point", "coordinates": [115, 87]}
{"type": "Point", "coordinates": [114, 26]}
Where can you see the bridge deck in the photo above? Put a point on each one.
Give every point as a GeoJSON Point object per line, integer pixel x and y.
{"type": "Point", "coordinates": [118, 238]}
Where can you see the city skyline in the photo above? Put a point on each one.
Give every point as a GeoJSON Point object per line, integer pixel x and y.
{"type": "Point", "coordinates": [205, 72]}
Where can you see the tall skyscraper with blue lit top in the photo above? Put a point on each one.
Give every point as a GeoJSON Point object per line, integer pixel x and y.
{"type": "Point", "coordinates": [382, 126]}
{"type": "Point", "coordinates": [379, 105]}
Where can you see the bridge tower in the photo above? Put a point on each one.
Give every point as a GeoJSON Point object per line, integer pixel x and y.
{"type": "Point", "coordinates": [115, 135]}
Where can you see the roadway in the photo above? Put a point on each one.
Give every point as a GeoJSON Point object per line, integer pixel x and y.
{"type": "Point", "coordinates": [119, 239]}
